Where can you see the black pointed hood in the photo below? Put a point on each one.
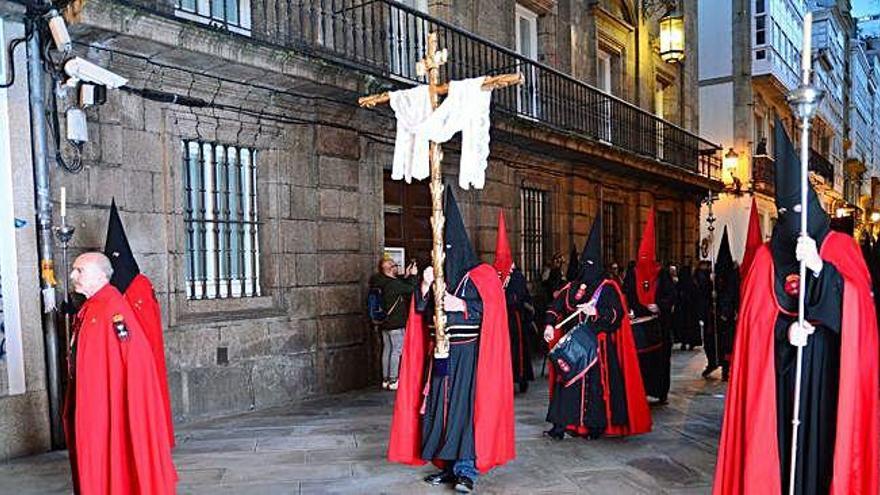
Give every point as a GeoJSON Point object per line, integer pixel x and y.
{"type": "Point", "coordinates": [724, 260]}
{"type": "Point", "coordinates": [573, 264]}
{"type": "Point", "coordinates": [116, 247]}
{"type": "Point", "coordinates": [787, 229]}
{"type": "Point", "coordinates": [460, 257]}
{"type": "Point", "coordinates": [592, 270]}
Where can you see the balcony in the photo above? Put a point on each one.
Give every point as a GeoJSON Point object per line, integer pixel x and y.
{"type": "Point", "coordinates": [763, 174]}
{"type": "Point", "coordinates": [384, 39]}
{"type": "Point", "coordinates": [822, 167]}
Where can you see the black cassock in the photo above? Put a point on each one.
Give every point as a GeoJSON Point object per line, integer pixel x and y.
{"type": "Point", "coordinates": [520, 318]}
{"type": "Point", "coordinates": [705, 314]}
{"type": "Point", "coordinates": [580, 407]}
{"type": "Point", "coordinates": [653, 335]}
{"type": "Point", "coordinates": [727, 306]}
{"type": "Point", "coordinates": [448, 422]}
{"type": "Point", "coordinates": [820, 377]}
{"type": "Point", "coordinates": [684, 316]}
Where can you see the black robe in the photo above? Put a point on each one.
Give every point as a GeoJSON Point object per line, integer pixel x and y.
{"type": "Point", "coordinates": [520, 316]}
{"type": "Point", "coordinates": [448, 423]}
{"type": "Point", "coordinates": [684, 315]}
{"type": "Point", "coordinates": [727, 308]}
{"type": "Point", "coordinates": [580, 407]}
{"type": "Point", "coordinates": [705, 313]}
{"type": "Point", "coordinates": [820, 377]}
{"type": "Point", "coordinates": [653, 335]}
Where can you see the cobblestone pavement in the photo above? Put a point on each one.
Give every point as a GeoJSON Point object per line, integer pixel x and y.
{"type": "Point", "coordinates": [337, 445]}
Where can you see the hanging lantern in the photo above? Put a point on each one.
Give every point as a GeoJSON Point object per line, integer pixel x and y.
{"type": "Point", "coordinates": [672, 37]}
{"type": "Point", "coordinates": [730, 163]}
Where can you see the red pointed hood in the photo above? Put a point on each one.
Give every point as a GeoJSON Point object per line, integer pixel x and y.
{"type": "Point", "coordinates": [754, 240]}
{"type": "Point", "coordinates": [503, 255]}
{"type": "Point", "coordinates": [647, 268]}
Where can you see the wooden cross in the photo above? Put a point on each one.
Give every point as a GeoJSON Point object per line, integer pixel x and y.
{"type": "Point", "coordinates": [430, 66]}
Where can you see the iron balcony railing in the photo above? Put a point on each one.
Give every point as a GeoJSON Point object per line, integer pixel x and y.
{"type": "Point", "coordinates": [385, 39]}
{"type": "Point", "coordinates": [764, 171]}
{"type": "Point", "coordinates": [820, 165]}
{"type": "Point", "coordinates": [764, 174]}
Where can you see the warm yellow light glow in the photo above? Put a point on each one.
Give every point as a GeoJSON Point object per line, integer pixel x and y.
{"type": "Point", "coordinates": [841, 212]}
{"type": "Point", "coordinates": [875, 217]}
{"type": "Point", "coordinates": [729, 165]}
{"type": "Point", "coordinates": [672, 37]}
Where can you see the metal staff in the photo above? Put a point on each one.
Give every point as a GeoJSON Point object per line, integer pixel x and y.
{"type": "Point", "coordinates": [710, 219]}
{"type": "Point", "coordinates": [804, 100]}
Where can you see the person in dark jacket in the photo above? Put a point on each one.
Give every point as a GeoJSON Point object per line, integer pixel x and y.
{"type": "Point", "coordinates": [396, 294]}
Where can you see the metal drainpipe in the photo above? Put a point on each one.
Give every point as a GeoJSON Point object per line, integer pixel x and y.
{"type": "Point", "coordinates": [37, 90]}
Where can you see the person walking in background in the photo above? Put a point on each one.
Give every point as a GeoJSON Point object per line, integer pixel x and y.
{"type": "Point", "coordinates": [684, 315]}
{"type": "Point", "coordinates": [520, 312]}
{"type": "Point", "coordinates": [392, 289]}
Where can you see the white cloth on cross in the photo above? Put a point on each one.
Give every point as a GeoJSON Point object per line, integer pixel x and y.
{"type": "Point", "coordinates": [465, 109]}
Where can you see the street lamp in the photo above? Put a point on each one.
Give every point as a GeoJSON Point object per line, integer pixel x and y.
{"type": "Point", "coordinates": [730, 163]}
{"type": "Point", "coordinates": [672, 36]}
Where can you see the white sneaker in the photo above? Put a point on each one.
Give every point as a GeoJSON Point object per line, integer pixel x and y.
{"type": "Point", "coordinates": [385, 384]}
{"type": "Point", "coordinates": [392, 385]}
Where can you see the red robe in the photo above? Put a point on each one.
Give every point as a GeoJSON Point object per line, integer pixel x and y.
{"type": "Point", "coordinates": [493, 401]}
{"type": "Point", "coordinates": [638, 413]}
{"type": "Point", "coordinates": [115, 424]}
{"type": "Point", "coordinates": [142, 298]}
{"type": "Point", "coordinates": [748, 455]}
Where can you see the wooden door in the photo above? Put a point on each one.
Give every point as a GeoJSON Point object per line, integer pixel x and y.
{"type": "Point", "coordinates": [408, 218]}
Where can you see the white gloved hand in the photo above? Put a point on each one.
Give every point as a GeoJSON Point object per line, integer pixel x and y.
{"type": "Point", "coordinates": [588, 308]}
{"type": "Point", "coordinates": [797, 334]}
{"type": "Point", "coordinates": [807, 252]}
{"type": "Point", "coordinates": [653, 308]}
{"type": "Point", "coordinates": [548, 333]}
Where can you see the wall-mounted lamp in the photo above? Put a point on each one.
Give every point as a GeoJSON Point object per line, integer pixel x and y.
{"type": "Point", "coordinates": [672, 36]}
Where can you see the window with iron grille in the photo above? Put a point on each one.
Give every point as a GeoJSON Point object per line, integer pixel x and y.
{"type": "Point", "coordinates": [232, 15]}
{"type": "Point", "coordinates": [221, 219]}
{"type": "Point", "coordinates": [535, 232]}
{"type": "Point", "coordinates": [665, 236]}
{"type": "Point", "coordinates": [613, 227]}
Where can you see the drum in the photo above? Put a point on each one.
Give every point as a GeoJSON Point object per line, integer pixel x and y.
{"type": "Point", "coordinates": [647, 333]}
{"type": "Point", "coordinates": [575, 353]}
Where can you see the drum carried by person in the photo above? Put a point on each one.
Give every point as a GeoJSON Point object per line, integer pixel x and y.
{"type": "Point", "coordinates": [654, 348]}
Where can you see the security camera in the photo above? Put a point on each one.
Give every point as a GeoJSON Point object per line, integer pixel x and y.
{"type": "Point", "coordinates": [58, 28]}
{"type": "Point", "coordinates": [80, 69]}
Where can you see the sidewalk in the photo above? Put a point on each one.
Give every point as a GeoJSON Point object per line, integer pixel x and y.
{"type": "Point", "coordinates": [337, 445]}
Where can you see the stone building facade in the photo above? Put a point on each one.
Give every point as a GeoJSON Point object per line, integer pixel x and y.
{"type": "Point", "coordinates": [24, 420]}
{"type": "Point", "coordinates": [275, 87]}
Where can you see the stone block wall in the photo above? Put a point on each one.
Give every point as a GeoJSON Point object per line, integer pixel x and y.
{"type": "Point", "coordinates": [320, 209]}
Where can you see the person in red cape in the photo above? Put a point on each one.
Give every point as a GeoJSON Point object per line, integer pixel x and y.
{"type": "Point", "coordinates": [114, 422]}
{"type": "Point", "coordinates": [754, 240]}
{"type": "Point", "coordinates": [651, 295]}
{"type": "Point", "coordinates": [607, 398]}
{"type": "Point", "coordinates": [647, 271]}
{"type": "Point", "coordinates": [520, 311]}
{"type": "Point", "coordinates": [456, 412]}
{"type": "Point", "coordinates": [138, 291]}
{"type": "Point", "coordinates": [838, 448]}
